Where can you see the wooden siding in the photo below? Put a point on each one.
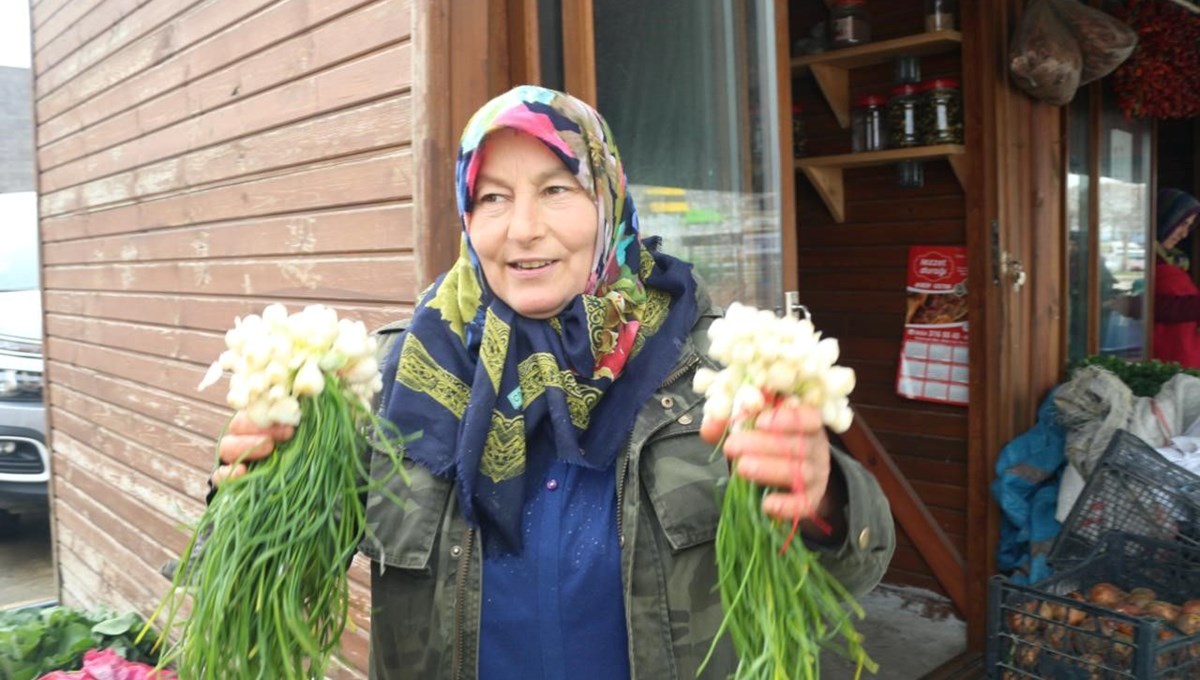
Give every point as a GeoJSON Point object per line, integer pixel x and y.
{"type": "Point", "coordinates": [852, 277]}
{"type": "Point", "coordinates": [199, 159]}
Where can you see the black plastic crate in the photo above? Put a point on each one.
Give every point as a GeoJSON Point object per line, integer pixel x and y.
{"type": "Point", "coordinates": [1041, 632]}
{"type": "Point", "coordinates": [1133, 490]}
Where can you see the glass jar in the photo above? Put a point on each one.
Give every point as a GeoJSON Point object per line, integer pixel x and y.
{"type": "Point", "coordinates": [939, 15]}
{"type": "Point", "coordinates": [907, 69]}
{"type": "Point", "coordinates": [910, 174]}
{"type": "Point", "coordinates": [940, 118]}
{"type": "Point", "coordinates": [902, 107]}
{"type": "Point", "coordinates": [849, 23]}
{"type": "Point", "coordinates": [799, 132]}
{"type": "Point", "coordinates": [867, 124]}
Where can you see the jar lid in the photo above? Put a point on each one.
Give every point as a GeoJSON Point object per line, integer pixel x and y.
{"type": "Point", "coordinates": [797, 108]}
{"type": "Point", "coordinates": [940, 84]}
{"type": "Point", "coordinates": [906, 88]}
{"type": "Point", "coordinates": [870, 100]}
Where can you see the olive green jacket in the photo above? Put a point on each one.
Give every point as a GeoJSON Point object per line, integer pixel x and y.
{"type": "Point", "coordinates": [427, 562]}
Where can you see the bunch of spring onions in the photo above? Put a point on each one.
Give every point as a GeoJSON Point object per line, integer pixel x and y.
{"type": "Point", "coordinates": [782, 607]}
{"type": "Point", "coordinates": [265, 571]}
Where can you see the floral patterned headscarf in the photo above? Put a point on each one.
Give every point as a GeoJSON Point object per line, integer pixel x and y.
{"type": "Point", "coordinates": [486, 386]}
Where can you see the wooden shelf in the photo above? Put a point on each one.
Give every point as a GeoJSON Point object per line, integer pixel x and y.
{"type": "Point", "coordinates": [825, 172]}
{"type": "Point", "coordinates": [832, 69]}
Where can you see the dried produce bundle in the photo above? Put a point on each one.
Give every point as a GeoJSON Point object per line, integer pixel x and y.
{"type": "Point", "coordinates": [782, 607]}
{"type": "Point", "coordinates": [266, 567]}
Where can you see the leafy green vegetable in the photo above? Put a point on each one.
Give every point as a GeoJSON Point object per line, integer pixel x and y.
{"type": "Point", "coordinates": [34, 642]}
{"type": "Point", "coordinates": [266, 568]}
{"type": "Point", "coordinates": [1144, 378]}
{"type": "Point", "coordinates": [782, 607]}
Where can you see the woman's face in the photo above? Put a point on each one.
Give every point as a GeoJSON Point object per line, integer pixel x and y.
{"type": "Point", "coordinates": [1179, 233]}
{"type": "Point", "coordinates": [533, 227]}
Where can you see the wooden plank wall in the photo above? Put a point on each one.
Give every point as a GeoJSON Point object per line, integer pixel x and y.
{"type": "Point", "coordinates": [199, 159]}
{"type": "Point", "coordinates": [852, 277]}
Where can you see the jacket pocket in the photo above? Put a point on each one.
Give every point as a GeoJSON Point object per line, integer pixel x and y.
{"type": "Point", "coordinates": [685, 483]}
{"type": "Point", "coordinates": [403, 520]}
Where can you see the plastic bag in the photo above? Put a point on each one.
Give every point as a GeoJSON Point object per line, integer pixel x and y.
{"type": "Point", "coordinates": [1104, 42]}
{"type": "Point", "coordinates": [1044, 57]}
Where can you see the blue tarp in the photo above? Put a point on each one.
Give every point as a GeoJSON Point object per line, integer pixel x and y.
{"type": "Point", "coordinates": [1026, 487]}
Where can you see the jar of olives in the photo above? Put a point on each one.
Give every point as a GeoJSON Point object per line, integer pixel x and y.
{"type": "Point", "coordinates": [902, 130]}
{"type": "Point", "coordinates": [940, 113]}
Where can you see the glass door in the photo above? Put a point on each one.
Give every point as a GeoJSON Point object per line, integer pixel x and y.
{"type": "Point", "coordinates": [689, 88]}
{"type": "Point", "coordinates": [1109, 227]}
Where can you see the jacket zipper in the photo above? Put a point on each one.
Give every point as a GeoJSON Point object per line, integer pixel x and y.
{"type": "Point", "coordinates": [460, 588]}
{"type": "Point", "coordinates": [620, 500]}
{"type": "Point", "coordinates": [681, 371]}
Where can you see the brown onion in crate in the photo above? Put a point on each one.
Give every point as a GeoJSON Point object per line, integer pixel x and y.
{"type": "Point", "coordinates": [1105, 595]}
{"type": "Point", "coordinates": [1141, 596]}
{"type": "Point", "coordinates": [1189, 623]}
{"type": "Point", "coordinates": [1076, 616]}
{"type": "Point", "coordinates": [1161, 610]}
{"type": "Point", "coordinates": [1190, 607]}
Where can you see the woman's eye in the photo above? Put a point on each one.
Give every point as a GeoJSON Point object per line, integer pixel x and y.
{"type": "Point", "coordinates": [557, 190]}
{"type": "Point", "coordinates": [490, 198]}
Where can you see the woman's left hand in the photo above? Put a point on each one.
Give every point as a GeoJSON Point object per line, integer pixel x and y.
{"type": "Point", "coordinates": [788, 449]}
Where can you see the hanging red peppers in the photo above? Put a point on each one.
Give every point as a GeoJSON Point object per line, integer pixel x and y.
{"type": "Point", "coordinates": [1162, 77]}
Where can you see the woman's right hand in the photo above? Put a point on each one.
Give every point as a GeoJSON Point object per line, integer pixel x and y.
{"type": "Point", "coordinates": [245, 442]}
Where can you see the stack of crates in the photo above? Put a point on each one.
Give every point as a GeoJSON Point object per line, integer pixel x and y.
{"type": "Point", "coordinates": [1134, 526]}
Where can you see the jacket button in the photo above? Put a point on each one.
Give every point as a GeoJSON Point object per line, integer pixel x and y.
{"type": "Point", "coordinates": [685, 419]}
{"type": "Point", "coordinates": [621, 541]}
{"type": "Point", "coordinates": [864, 538]}
{"type": "Point", "coordinates": [455, 551]}
{"type": "Point", "coordinates": [667, 402]}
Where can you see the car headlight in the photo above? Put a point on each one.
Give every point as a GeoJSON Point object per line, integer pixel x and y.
{"type": "Point", "coordinates": [20, 384]}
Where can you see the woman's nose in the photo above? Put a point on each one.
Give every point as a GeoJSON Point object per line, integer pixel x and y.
{"type": "Point", "coordinates": [526, 224]}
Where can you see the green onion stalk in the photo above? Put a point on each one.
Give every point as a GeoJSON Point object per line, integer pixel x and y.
{"type": "Point", "coordinates": [265, 570]}
{"type": "Point", "coordinates": [781, 606]}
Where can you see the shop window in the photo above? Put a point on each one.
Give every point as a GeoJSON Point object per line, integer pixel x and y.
{"type": "Point", "coordinates": [1110, 242]}
{"type": "Point", "coordinates": [689, 89]}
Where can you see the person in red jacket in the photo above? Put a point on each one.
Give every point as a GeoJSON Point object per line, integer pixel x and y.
{"type": "Point", "coordinates": [1176, 297]}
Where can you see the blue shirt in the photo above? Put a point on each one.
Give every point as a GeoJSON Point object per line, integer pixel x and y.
{"type": "Point", "coordinates": [557, 610]}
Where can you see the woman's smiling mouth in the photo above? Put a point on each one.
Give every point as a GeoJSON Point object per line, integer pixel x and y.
{"type": "Point", "coordinates": [531, 265]}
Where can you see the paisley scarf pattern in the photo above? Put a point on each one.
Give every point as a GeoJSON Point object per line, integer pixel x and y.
{"type": "Point", "coordinates": [481, 382]}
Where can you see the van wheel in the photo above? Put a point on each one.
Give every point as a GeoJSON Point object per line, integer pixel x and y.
{"type": "Point", "coordinates": [8, 523]}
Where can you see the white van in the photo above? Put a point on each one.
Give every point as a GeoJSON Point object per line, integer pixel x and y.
{"type": "Point", "coordinates": [24, 459]}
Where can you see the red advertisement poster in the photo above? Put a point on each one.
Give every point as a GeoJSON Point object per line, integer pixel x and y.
{"type": "Point", "coordinates": [933, 355]}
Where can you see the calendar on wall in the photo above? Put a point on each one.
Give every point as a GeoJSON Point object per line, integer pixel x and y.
{"type": "Point", "coordinates": [933, 355]}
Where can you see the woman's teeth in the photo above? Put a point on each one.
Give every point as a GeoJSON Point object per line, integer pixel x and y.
{"type": "Point", "coordinates": [532, 265]}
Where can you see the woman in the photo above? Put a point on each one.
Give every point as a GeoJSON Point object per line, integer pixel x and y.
{"type": "Point", "coordinates": [1176, 297]}
{"type": "Point", "coordinates": [561, 512]}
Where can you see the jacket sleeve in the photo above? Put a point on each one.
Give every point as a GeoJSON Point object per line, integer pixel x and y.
{"type": "Point", "coordinates": [861, 560]}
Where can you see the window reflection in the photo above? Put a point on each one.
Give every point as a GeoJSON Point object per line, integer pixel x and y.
{"type": "Point", "coordinates": [1078, 221]}
{"type": "Point", "coordinates": [688, 88]}
{"type": "Point", "coordinates": [1118, 233]}
{"type": "Point", "coordinates": [1124, 223]}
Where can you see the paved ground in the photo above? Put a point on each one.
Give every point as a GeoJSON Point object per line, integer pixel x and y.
{"type": "Point", "coordinates": [909, 632]}
{"type": "Point", "coordinates": [26, 570]}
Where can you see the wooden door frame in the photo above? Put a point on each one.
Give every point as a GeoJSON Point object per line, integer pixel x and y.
{"type": "Point", "coordinates": [1015, 211]}
{"type": "Point", "coordinates": [459, 63]}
